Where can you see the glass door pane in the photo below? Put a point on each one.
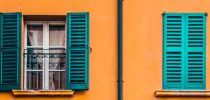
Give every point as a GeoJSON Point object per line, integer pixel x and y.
{"type": "Point", "coordinates": [57, 35]}
{"type": "Point", "coordinates": [34, 35]}
{"type": "Point", "coordinates": [57, 57]}
{"type": "Point", "coordinates": [34, 80]}
{"type": "Point", "coordinates": [34, 55]}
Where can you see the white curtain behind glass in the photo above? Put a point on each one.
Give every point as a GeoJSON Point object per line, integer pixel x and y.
{"type": "Point", "coordinates": [57, 39]}
{"type": "Point", "coordinates": [35, 38]}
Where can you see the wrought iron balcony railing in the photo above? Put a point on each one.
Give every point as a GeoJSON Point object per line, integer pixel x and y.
{"type": "Point", "coordinates": [47, 62]}
{"type": "Point", "coordinates": [44, 53]}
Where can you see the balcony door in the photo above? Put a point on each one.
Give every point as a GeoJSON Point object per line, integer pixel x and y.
{"type": "Point", "coordinates": [45, 56]}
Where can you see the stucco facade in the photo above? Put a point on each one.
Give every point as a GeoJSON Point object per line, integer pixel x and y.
{"type": "Point", "coordinates": [103, 37]}
{"type": "Point", "coordinates": [142, 44]}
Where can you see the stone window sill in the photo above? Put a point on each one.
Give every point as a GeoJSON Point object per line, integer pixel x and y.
{"type": "Point", "coordinates": [173, 93]}
{"type": "Point", "coordinates": [43, 92]}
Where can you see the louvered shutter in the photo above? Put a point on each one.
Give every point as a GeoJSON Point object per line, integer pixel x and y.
{"type": "Point", "coordinates": [173, 51]}
{"type": "Point", "coordinates": [10, 33]}
{"type": "Point", "coordinates": [78, 51]}
{"type": "Point", "coordinates": [196, 51]}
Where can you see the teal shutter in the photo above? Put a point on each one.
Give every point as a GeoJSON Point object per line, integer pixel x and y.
{"type": "Point", "coordinates": [10, 33]}
{"type": "Point", "coordinates": [196, 51]}
{"type": "Point", "coordinates": [173, 59]}
{"type": "Point", "coordinates": [78, 51]}
{"type": "Point", "coordinates": [184, 51]}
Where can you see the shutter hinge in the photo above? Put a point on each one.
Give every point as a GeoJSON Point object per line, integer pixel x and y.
{"type": "Point", "coordinates": [163, 14]}
{"type": "Point", "coordinates": [90, 49]}
{"type": "Point", "coordinates": [206, 14]}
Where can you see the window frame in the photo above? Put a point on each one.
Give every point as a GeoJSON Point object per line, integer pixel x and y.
{"type": "Point", "coordinates": [46, 70]}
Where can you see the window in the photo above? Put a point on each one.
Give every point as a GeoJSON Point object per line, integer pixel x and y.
{"type": "Point", "coordinates": [45, 56]}
{"type": "Point", "coordinates": [184, 51]}
{"type": "Point", "coordinates": [56, 55]}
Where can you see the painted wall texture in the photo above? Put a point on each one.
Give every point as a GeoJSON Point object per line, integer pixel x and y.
{"type": "Point", "coordinates": [103, 41]}
{"type": "Point", "coordinates": [142, 43]}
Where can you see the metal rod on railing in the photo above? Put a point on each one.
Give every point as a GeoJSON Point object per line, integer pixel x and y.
{"type": "Point", "coordinates": [59, 80]}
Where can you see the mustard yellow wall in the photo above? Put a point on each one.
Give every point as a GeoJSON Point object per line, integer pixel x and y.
{"type": "Point", "coordinates": [143, 45]}
{"type": "Point", "coordinates": [103, 41]}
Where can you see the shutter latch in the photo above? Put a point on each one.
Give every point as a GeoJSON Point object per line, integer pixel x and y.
{"type": "Point", "coordinates": [90, 49]}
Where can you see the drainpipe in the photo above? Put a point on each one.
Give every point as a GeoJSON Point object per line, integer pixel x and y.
{"type": "Point", "coordinates": [120, 49]}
